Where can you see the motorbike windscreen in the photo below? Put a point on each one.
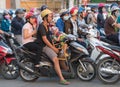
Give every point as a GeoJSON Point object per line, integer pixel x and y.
{"type": "Point", "coordinates": [2, 43]}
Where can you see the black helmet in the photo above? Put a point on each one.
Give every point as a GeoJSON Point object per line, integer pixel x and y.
{"type": "Point", "coordinates": [5, 12]}
{"type": "Point", "coordinates": [24, 9]}
{"type": "Point", "coordinates": [43, 7]}
{"type": "Point", "coordinates": [19, 11]}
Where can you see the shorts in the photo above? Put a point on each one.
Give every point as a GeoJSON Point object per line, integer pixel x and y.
{"type": "Point", "coordinates": [49, 52]}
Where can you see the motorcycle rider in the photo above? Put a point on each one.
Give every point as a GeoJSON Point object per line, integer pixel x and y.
{"type": "Point", "coordinates": [44, 38]}
{"type": "Point", "coordinates": [81, 21]}
{"type": "Point", "coordinates": [17, 24]}
{"type": "Point", "coordinates": [111, 24]}
{"type": "Point", "coordinates": [28, 36]}
{"type": "Point", "coordinates": [64, 15]}
{"type": "Point", "coordinates": [101, 18]}
{"type": "Point", "coordinates": [6, 22]}
{"type": "Point", "coordinates": [71, 26]}
{"type": "Point", "coordinates": [91, 19]}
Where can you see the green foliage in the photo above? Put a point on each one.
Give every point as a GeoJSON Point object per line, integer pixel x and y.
{"type": "Point", "coordinates": [97, 1]}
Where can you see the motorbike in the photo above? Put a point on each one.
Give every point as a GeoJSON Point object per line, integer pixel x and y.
{"type": "Point", "coordinates": [8, 66]}
{"type": "Point", "coordinates": [109, 66]}
{"type": "Point", "coordinates": [79, 63]}
{"type": "Point", "coordinates": [106, 57]}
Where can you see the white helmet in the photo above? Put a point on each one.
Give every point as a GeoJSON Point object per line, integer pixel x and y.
{"type": "Point", "coordinates": [88, 8]}
{"type": "Point", "coordinates": [114, 8]}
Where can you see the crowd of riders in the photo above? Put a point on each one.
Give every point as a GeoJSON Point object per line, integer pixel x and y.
{"type": "Point", "coordinates": [34, 29]}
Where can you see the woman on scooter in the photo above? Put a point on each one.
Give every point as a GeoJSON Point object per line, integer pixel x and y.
{"type": "Point", "coordinates": [28, 36]}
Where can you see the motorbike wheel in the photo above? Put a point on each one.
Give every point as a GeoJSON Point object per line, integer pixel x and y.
{"type": "Point", "coordinates": [10, 71]}
{"type": "Point", "coordinates": [108, 78]}
{"type": "Point", "coordinates": [90, 72]}
{"type": "Point", "coordinates": [27, 76]}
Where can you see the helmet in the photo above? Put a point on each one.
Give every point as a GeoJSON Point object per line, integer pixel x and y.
{"type": "Point", "coordinates": [30, 15]}
{"type": "Point", "coordinates": [24, 9]}
{"type": "Point", "coordinates": [43, 7]}
{"type": "Point", "coordinates": [74, 11]}
{"type": "Point", "coordinates": [93, 7]}
{"type": "Point", "coordinates": [5, 12]}
{"type": "Point", "coordinates": [63, 12]}
{"type": "Point", "coordinates": [45, 12]}
{"type": "Point", "coordinates": [19, 11]}
{"type": "Point", "coordinates": [81, 9]}
{"type": "Point", "coordinates": [88, 8]}
{"type": "Point", "coordinates": [114, 4]}
{"type": "Point", "coordinates": [32, 10]}
{"type": "Point", "coordinates": [101, 5]}
{"type": "Point", "coordinates": [11, 12]}
{"type": "Point", "coordinates": [114, 8]}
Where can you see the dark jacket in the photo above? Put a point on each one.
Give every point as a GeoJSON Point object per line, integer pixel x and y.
{"type": "Point", "coordinates": [69, 27]}
{"type": "Point", "coordinates": [100, 20]}
{"type": "Point", "coordinates": [16, 25]}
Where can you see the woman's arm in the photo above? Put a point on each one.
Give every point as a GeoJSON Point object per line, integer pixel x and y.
{"type": "Point", "coordinates": [26, 33]}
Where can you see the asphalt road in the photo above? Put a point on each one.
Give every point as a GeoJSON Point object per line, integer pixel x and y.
{"type": "Point", "coordinates": [53, 82]}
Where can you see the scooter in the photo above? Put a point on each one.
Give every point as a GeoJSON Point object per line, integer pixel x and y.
{"type": "Point", "coordinates": [106, 57]}
{"type": "Point", "coordinates": [109, 66]}
{"type": "Point", "coordinates": [79, 63]}
{"type": "Point", "coordinates": [8, 65]}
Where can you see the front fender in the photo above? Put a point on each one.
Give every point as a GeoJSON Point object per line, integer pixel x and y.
{"type": "Point", "coordinates": [101, 57]}
{"type": "Point", "coordinates": [9, 59]}
{"type": "Point", "coordinates": [87, 59]}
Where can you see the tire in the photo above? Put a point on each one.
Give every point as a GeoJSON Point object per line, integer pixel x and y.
{"type": "Point", "coordinates": [10, 71]}
{"type": "Point", "coordinates": [104, 77]}
{"type": "Point", "coordinates": [90, 72]}
{"type": "Point", "coordinates": [26, 76]}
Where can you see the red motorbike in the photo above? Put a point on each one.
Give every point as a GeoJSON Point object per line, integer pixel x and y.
{"type": "Point", "coordinates": [108, 69]}
{"type": "Point", "coordinates": [8, 64]}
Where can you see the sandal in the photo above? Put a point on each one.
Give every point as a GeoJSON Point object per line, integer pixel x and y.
{"type": "Point", "coordinates": [64, 82]}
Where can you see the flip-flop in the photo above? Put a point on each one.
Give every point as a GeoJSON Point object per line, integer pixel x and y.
{"type": "Point", "coordinates": [64, 82]}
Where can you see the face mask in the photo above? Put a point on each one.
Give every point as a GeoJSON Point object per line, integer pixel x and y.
{"type": "Point", "coordinates": [66, 18]}
{"type": "Point", "coordinates": [116, 14]}
{"type": "Point", "coordinates": [7, 17]}
{"type": "Point", "coordinates": [103, 10]}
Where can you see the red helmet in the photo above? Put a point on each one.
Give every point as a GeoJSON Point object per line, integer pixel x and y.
{"type": "Point", "coordinates": [74, 11]}
{"type": "Point", "coordinates": [32, 10]}
{"type": "Point", "coordinates": [101, 5]}
{"type": "Point", "coordinates": [30, 15]}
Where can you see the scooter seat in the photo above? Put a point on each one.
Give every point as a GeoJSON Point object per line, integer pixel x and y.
{"type": "Point", "coordinates": [108, 41]}
{"type": "Point", "coordinates": [113, 47]}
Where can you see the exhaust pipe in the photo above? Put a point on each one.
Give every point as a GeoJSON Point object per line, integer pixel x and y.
{"type": "Point", "coordinates": [24, 67]}
{"type": "Point", "coordinates": [110, 71]}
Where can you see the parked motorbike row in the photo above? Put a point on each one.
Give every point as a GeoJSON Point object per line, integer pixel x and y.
{"type": "Point", "coordinates": [99, 58]}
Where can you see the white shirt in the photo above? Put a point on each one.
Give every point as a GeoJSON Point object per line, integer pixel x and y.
{"type": "Point", "coordinates": [29, 27]}
{"type": "Point", "coordinates": [74, 27]}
